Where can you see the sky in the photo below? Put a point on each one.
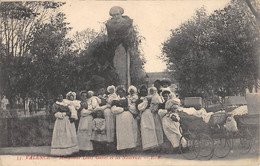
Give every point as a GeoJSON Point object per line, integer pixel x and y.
{"type": "Point", "coordinates": [154, 20]}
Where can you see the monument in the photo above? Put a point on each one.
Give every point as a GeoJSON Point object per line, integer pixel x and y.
{"type": "Point", "coordinates": [120, 32]}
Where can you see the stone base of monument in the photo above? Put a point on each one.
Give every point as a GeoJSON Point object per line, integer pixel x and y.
{"type": "Point", "coordinates": [120, 63]}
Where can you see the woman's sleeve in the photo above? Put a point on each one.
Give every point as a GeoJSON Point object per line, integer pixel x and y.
{"type": "Point", "coordinates": [64, 109]}
{"type": "Point", "coordinates": [142, 106]}
{"type": "Point", "coordinates": [54, 109]}
{"type": "Point", "coordinates": [117, 110]}
{"type": "Point", "coordinates": [98, 100]}
{"type": "Point", "coordinates": [95, 104]}
{"type": "Point", "coordinates": [77, 104]}
{"type": "Point", "coordinates": [85, 112]}
{"type": "Point", "coordinates": [162, 112]}
{"type": "Point", "coordinates": [102, 108]}
{"type": "Point", "coordinates": [177, 116]}
{"type": "Point", "coordinates": [157, 100]}
{"type": "Point", "coordinates": [59, 115]}
{"type": "Point", "coordinates": [109, 99]}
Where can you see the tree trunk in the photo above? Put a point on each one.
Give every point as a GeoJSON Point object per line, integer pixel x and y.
{"type": "Point", "coordinates": [253, 10]}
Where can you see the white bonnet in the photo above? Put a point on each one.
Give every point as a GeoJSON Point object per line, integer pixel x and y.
{"type": "Point", "coordinates": [132, 88]}
{"type": "Point", "coordinates": [71, 93]}
{"type": "Point", "coordinates": [152, 88]}
{"type": "Point", "coordinates": [90, 92]}
{"type": "Point", "coordinates": [165, 90]}
{"type": "Point", "coordinates": [172, 102]}
{"type": "Point", "coordinates": [111, 87]}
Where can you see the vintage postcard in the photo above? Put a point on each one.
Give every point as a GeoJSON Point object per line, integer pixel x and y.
{"type": "Point", "coordinates": [129, 82]}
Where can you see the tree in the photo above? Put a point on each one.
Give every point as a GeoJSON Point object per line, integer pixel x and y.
{"type": "Point", "coordinates": [83, 38]}
{"type": "Point", "coordinates": [39, 60]}
{"type": "Point", "coordinates": [53, 63]}
{"type": "Point", "coordinates": [214, 52]}
{"type": "Point", "coordinates": [255, 10]}
{"type": "Point", "coordinates": [20, 21]}
{"type": "Point", "coordinates": [96, 61]}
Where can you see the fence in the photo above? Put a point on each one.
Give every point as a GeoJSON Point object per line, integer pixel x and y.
{"type": "Point", "coordinates": [30, 131]}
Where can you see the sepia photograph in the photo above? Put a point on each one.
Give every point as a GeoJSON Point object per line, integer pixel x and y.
{"type": "Point", "coordinates": [127, 82]}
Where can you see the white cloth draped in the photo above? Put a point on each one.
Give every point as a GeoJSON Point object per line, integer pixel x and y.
{"type": "Point", "coordinates": [202, 113]}
{"type": "Point", "coordinates": [126, 128]}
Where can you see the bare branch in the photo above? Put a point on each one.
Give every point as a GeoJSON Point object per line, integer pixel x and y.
{"type": "Point", "coordinates": [256, 14]}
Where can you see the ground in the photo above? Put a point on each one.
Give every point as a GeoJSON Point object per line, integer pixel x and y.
{"type": "Point", "coordinates": [40, 155]}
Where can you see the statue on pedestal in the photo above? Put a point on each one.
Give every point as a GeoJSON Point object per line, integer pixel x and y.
{"type": "Point", "coordinates": [120, 32]}
{"type": "Point", "coordinates": [119, 28]}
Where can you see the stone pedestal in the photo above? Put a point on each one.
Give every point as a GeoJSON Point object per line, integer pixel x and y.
{"type": "Point", "coordinates": [120, 63]}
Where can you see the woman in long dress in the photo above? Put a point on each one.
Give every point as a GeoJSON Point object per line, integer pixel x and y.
{"type": "Point", "coordinates": [85, 124]}
{"type": "Point", "coordinates": [109, 117]}
{"type": "Point", "coordinates": [151, 128]}
{"type": "Point", "coordinates": [64, 138]}
{"type": "Point", "coordinates": [126, 125]}
{"type": "Point", "coordinates": [170, 120]}
{"type": "Point", "coordinates": [132, 99]}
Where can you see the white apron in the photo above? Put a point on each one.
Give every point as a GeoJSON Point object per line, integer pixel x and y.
{"type": "Point", "coordinates": [85, 130]}
{"type": "Point", "coordinates": [171, 128]}
{"type": "Point", "coordinates": [64, 138]}
{"type": "Point", "coordinates": [126, 128]}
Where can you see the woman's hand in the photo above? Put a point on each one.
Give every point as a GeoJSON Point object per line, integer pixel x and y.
{"type": "Point", "coordinates": [60, 115]}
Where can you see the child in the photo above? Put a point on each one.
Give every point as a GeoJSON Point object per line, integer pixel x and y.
{"type": "Point", "coordinates": [99, 128]}
{"type": "Point", "coordinates": [93, 101]}
{"type": "Point", "coordinates": [231, 124]}
{"type": "Point", "coordinates": [99, 136]}
{"type": "Point", "coordinates": [155, 99]}
{"type": "Point", "coordinates": [72, 104]}
{"type": "Point", "coordinates": [172, 106]}
{"type": "Point", "coordinates": [132, 98]}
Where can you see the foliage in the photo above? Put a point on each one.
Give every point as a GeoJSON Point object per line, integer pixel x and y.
{"type": "Point", "coordinates": [215, 52]}
{"type": "Point", "coordinates": [82, 39]}
{"type": "Point", "coordinates": [19, 22]}
{"type": "Point", "coordinates": [39, 60]}
{"type": "Point", "coordinates": [98, 57]}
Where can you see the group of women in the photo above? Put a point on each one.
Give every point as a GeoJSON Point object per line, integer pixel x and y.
{"type": "Point", "coordinates": [136, 118]}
